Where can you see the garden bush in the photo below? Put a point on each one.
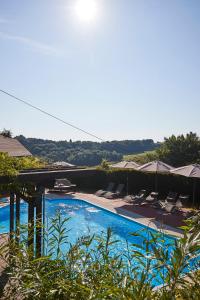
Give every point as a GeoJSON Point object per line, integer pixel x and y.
{"type": "Point", "coordinates": [85, 272]}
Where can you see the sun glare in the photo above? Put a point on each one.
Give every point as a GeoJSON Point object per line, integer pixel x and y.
{"type": "Point", "coordinates": [86, 10]}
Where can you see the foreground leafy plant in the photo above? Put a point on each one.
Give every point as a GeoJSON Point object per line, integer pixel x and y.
{"type": "Point", "coordinates": [92, 269]}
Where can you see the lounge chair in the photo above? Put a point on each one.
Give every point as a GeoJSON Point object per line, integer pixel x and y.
{"type": "Point", "coordinates": [62, 185]}
{"type": "Point", "coordinates": [110, 195]}
{"type": "Point", "coordinates": [179, 204]}
{"type": "Point", "coordinates": [128, 198]}
{"type": "Point", "coordinates": [170, 208]}
{"type": "Point", "coordinates": [139, 197]}
{"type": "Point", "coordinates": [171, 197]}
{"type": "Point", "coordinates": [150, 199]}
{"type": "Point", "coordinates": [135, 198]}
{"type": "Point", "coordinates": [184, 198]}
{"type": "Point", "coordinates": [110, 187]}
{"type": "Point", "coordinates": [159, 204]}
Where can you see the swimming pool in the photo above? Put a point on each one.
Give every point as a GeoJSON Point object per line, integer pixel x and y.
{"type": "Point", "coordinates": [86, 218]}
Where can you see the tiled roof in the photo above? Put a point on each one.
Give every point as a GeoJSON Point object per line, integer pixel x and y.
{"type": "Point", "coordinates": [13, 147]}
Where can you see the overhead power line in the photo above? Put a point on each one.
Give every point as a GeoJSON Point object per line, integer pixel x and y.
{"type": "Point", "coordinates": [50, 115]}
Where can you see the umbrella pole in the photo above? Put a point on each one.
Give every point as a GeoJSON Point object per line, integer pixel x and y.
{"type": "Point", "coordinates": [156, 182]}
{"type": "Point", "coordinates": [127, 185]}
{"type": "Point", "coordinates": [194, 192]}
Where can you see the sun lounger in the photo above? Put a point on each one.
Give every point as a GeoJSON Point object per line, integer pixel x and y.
{"type": "Point", "coordinates": [110, 187]}
{"type": "Point", "coordinates": [110, 195]}
{"type": "Point", "coordinates": [129, 198]}
{"type": "Point", "coordinates": [170, 208]}
{"type": "Point", "coordinates": [184, 198]}
{"type": "Point", "coordinates": [159, 204]}
{"type": "Point", "coordinates": [62, 185]}
{"type": "Point", "coordinates": [165, 206]}
{"type": "Point", "coordinates": [136, 199]}
{"type": "Point", "coordinates": [150, 199]}
{"type": "Point", "coordinates": [139, 197]}
{"type": "Point", "coordinates": [179, 204]}
{"type": "Point", "coordinates": [171, 197]}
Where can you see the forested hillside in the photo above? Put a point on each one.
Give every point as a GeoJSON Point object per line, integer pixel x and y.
{"type": "Point", "coordinates": [85, 153]}
{"type": "Point", "coordinates": [176, 150]}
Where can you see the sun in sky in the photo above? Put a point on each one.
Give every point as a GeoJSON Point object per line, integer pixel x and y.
{"type": "Point", "coordinates": [86, 10]}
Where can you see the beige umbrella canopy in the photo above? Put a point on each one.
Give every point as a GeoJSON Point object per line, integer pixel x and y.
{"type": "Point", "coordinates": [156, 166]}
{"type": "Point", "coordinates": [126, 165]}
{"type": "Point", "coordinates": [188, 171]}
{"type": "Point", "coordinates": [192, 171]}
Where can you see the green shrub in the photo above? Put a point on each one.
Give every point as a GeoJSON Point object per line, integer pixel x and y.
{"type": "Point", "coordinates": [99, 178]}
{"type": "Point", "coordinates": [10, 166]}
{"type": "Point", "coordinates": [86, 271]}
{"type": "Point", "coordinates": [142, 158]}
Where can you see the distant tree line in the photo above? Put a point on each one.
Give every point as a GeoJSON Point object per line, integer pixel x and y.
{"type": "Point", "coordinates": [85, 153]}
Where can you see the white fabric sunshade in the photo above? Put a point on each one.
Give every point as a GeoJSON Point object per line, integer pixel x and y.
{"type": "Point", "coordinates": [188, 171]}
{"type": "Point", "coordinates": [156, 166]}
{"type": "Point", "coordinates": [126, 165]}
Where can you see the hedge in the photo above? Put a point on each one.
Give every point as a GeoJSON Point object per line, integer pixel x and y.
{"type": "Point", "coordinates": [99, 179]}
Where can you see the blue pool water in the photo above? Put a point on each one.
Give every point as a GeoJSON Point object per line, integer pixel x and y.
{"type": "Point", "coordinates": [84, 218]}
{"type": "Point", "coordinates": [89, 219]}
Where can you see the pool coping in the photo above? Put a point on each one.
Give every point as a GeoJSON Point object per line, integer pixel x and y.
{"type": "Point", "coordinates": [153, 224]}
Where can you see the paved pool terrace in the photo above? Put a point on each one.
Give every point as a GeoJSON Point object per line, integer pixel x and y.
{"type": "Point", "coordinates": [145, 215]}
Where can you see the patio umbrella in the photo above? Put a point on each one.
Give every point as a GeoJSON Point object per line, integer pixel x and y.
{"type": "Point", "coordinates": [156, 167]}
{"type": "Point", "coordinates": [192, 171]}
{"type": "Point", "coordinates": [126, 165]}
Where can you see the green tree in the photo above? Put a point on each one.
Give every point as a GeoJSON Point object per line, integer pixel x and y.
{"type": "Point", "coordinates": [180, 150]}
{"type": "Point", "coordinates": [10, 166]}
{"type": "Point", "coordinates": [104, 164]}
{"type": "Point", "coordinates": [6, 133]}
{"type": "Point", "coordinates": [142, 158]}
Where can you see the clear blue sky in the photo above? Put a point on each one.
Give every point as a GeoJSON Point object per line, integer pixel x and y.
{"type": "Point", "coordinates": [132, 72]}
